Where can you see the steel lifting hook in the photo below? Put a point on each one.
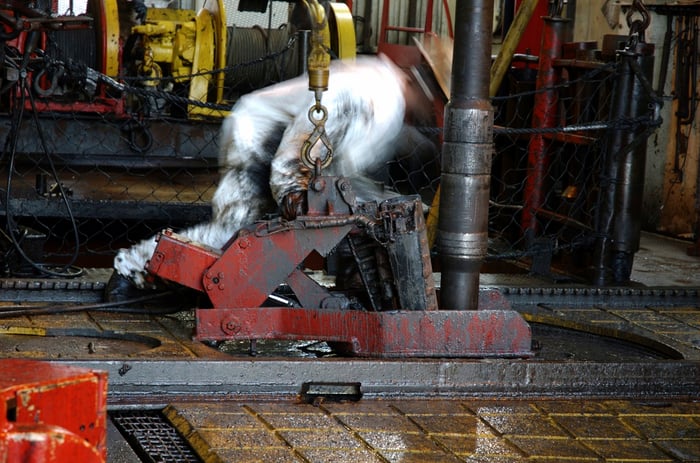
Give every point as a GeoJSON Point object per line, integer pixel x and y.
{"type": "Point", "coordinates": [319, 133]}
{"type": "Point", "coordinates": [638, 26]}
{"type": "Point", "coordinates": [319, 67]}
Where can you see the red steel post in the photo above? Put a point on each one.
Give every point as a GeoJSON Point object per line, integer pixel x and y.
{"type": "Point", "coordinates": [555, 32]}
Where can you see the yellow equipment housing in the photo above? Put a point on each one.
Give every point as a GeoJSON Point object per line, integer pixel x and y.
{"type": "Point", "coordinates": [191, 47]}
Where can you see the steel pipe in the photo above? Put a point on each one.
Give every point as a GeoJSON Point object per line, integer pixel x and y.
{"type": "Point", "coordinates": [503, 60]}
{"type": "Point", "coordinates": [467, 152]}
{"type": "Point", "coordinates": [619, 220]}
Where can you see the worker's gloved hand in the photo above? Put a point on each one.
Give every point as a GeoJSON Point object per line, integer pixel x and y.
{"type": "Point", "coordinates": [293, 205]}
{"type": "Point", "coordinates": [160, 294]}
{"type": "Point", "coordinates": [120, 288]}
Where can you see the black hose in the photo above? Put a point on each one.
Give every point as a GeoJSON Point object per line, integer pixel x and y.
{"type": "Point", "coordinates": [20, 311]}
{"type": "Point", "coordinates": [14, 136]}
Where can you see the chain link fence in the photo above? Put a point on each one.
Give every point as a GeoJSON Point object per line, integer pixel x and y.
{"type": "Point", "coordinates": [566, 190]}
{"type": "Point", "coordinates": [91, 165]}
{"type": "Point", "coordinates": [571, 163]}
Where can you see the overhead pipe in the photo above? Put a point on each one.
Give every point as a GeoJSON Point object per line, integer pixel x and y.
{"type": "Point", "coordinates": [467, 153]}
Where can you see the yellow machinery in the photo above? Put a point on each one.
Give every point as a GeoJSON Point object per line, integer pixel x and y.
{"type": "Point", "coordinates": [192, 45]}
{"type": "Point", "coordinates": [188, 48]}
{"type": "Point", "coordinates": [171, 62]}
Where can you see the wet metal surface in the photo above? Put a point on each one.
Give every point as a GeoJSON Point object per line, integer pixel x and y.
{"type": "Point", "coordinates": [550, 343]}
{"type": "Point", "coordinates": [663, 261]}
{"type": "Point", "coordinates": [656, 353]}
{"type": "Point", "coordinates": [152, 382]}
{"type": "Point", "coordinates": [554, 343]}
{"type": "Point", "coordinates": [98, 336]}
{"type": "Point", "coordinates": [411, 430]}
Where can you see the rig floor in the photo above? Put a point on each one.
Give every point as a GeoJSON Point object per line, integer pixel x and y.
{"type": "Point", "coordinates": [615, 376]}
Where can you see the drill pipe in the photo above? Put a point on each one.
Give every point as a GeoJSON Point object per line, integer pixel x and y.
{"type": "Point", "coordinates": [467, 152]}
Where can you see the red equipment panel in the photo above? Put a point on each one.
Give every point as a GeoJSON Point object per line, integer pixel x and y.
{"type": "Point", "coordinates": [52, 413]}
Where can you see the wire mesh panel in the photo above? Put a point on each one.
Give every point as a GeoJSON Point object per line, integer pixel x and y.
{"type": "Point", "coordinates": [566, 215]}
{"type": "Point", "coordinates": [106, 141]}
{"type": "Point", "coordinates": [582, 157]}
{"type": "Point", "coordinates": [111, 124]}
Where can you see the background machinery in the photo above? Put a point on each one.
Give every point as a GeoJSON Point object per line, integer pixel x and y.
{"type": "Point", "coordinates": [101, 61]}
{"type": "Point", "coordinates": [110, 117]}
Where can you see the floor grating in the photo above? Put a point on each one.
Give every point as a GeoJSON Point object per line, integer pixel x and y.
{"type": "Point", "coordinates": [152, 437]}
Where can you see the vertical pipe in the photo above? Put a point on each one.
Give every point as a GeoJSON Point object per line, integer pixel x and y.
{"type": "Point", "coordinates": [467, 152]}
{"type": "Point", "coordinates": [628, 216]}
{"type": "Point", "coordinates": [602, 271]}
{"type": "Point", "coordinates": [384, 21]}
{"type": "Point", "coordinates": [619, 218]}
{"type": "Point", "coordinates": [497, 71]}
{"type": "Point", "coordinates": [555, 32]}
{"type": "Point", "coordinates": [428, 26]}
{"type": "Point", "coordinates": [367, 28]}
{"type": "Point", "coordinates": [303, 51]}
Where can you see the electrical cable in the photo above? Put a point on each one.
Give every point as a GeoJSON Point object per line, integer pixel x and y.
{"type": "Point", "coordinates": [116, 306]}
{"type": "Point", "coordinates": [15, 127]}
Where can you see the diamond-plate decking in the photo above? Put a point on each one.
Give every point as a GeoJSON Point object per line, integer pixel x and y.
{"type": "Point", "coordinates": [431, 430]}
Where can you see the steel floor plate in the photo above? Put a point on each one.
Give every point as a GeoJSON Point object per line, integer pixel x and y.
{"type": "Point", "coordinates": [460, 430]}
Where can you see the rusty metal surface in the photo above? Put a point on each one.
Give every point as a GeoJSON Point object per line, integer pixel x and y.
{"type": "Point", "coordinates": [554, 35]}
{"type": "Point", "coordinates": [72, 342]}
{"type": "Point", "coordinates": [443, 333]}
{"type": "Point", "coordinates": [51, 413]}
{"type": "Point", "coordinates": [182, 368]}
{"type": "Point", "coordinates": [100, 335]}
{"type": "Point", "coordinates": [240, 278]}
{"type": "Point", "coordinates": [549, 388]}
{"type": "Point", "coordinates": [237, 291]}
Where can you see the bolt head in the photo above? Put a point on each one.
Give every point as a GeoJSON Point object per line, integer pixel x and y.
{"type": "Point", "coordinates": [318, 185]}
